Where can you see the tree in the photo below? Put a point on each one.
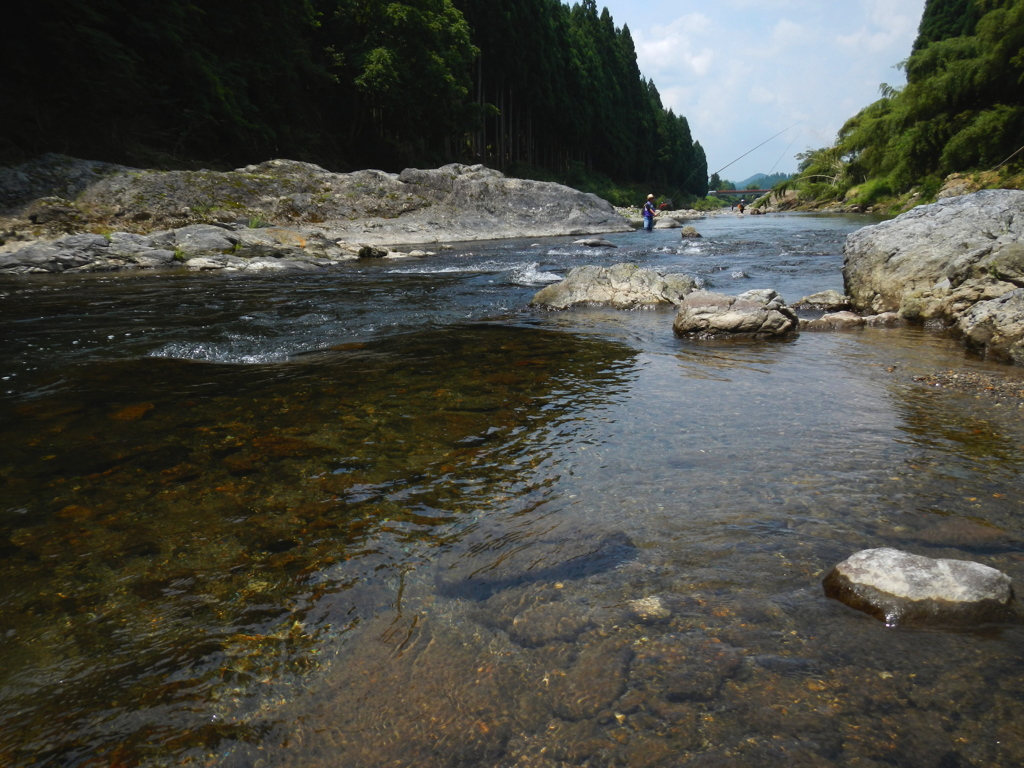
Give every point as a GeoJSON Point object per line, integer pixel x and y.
{"type": "Point", "coordinates": [344, 83]}
{"type": "Point", "coordinates": [943, 19]}
{"type": "Point", "coordinates": [961, 110]}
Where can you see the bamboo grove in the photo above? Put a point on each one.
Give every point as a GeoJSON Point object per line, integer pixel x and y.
{"type": "Point", "coordinates": [515, 84]}
{"type": "Point", "coordinates": [962, 110]}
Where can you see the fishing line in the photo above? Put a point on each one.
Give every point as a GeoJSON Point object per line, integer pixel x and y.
{"type": "Point", "coordinates": [794, 125]}
{"type": "Point", "coordinates": [784, 152]}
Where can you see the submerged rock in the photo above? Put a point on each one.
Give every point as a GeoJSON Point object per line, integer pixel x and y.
{"type": "Point", "coordinates": [759, 314]}
{"type": "Point", "coordinates": [686, 668]}
{"type": "Point", "coordinates": [547, 623]}
{"type": "Point", "coordinates": [623, 286]}
{"type": "Point", "coordinates": [901, 588]}
{"type": "Point", "coordinates": [649, 610]}
{"type": "Point", "coordinates": [577, 559]}
{"type": "Point", "coordinates": [595, 242]}
{"type": "Point", "coordinates": [594, 682]}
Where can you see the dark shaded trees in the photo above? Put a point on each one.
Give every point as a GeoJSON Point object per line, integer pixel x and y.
{"type": "Point", "coordinates": [345, 83]}
{"type": "Point", "coordinates": [943, 19]}
{"type": "Point", "coordinates": [558, 87]}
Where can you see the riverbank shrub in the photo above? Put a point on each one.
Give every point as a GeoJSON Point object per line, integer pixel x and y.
{"type": "Point", "coordinates": [708, 204]}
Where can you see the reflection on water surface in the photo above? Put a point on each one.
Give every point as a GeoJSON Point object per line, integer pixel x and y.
{"type": "Point", "coordinates": [537, 540]}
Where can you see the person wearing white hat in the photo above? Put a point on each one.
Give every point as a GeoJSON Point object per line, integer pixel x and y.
{"type": "Point", "coordinates": [649, 214]}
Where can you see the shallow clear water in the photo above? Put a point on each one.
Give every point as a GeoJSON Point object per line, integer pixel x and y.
{"type": "Point", "coordinates": [390, 516]}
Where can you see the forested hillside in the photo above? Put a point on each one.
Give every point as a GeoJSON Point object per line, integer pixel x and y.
{"type": "Point", "coordinates": [961, 111]}
{"type": "Point", "coordinates": [531, 84]}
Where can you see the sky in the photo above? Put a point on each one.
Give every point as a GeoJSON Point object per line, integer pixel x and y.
{"type": "Point", "coordinates": [742, 71]}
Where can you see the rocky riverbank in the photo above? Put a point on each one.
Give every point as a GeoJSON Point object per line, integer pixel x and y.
{"type": "Point", "coordinates": [958, 263]}
{"type": "Point", "coordinates": [59, 214]}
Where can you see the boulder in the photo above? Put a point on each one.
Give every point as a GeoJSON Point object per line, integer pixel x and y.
{"type": "Point", "coordinates": [956, 262]}
{"type": "Point", "coordinates": [689, 231]}
{"type": "Point", "coordinates": [202, 239]}
{"type": "Point", "coordinates": [759, 314]}
{"type": "Point", "coordinates": [623, 286]}
{"type": "Point", "coordinates": [54, 176]}
{"type": "Point", "coordinates": [884, 320]}
{"type": "Point", "coordinates": [595, 242]}
{"type": "Point", "coordinates": [830, 301]}
{"type": "Point", "coordinates": [666, 222]}
{"type": "Point", "coordinates": [453, 202]}
{"type": "Point", "coordinates": [955, 239]}
{"type": "Point", "coordinates": [942, 304]}
{"type": "Point", "coordinates": [845, 320]}
{"type": "Point", "coordinates": [904, 589]}
{"type": "Point", "coordinates": [833, 321]}
{"type": "Point", "coordinates": [996, 327]}
{"type": "Point", "coordinates": [199, 247]}
{"type": "Point", "coordinates": [370, 252]}
{"type": "Point", "coordinates": [88, 253]}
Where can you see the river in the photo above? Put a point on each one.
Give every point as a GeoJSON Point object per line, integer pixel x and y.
{"type": "Point", "coordinates": [389, 515]}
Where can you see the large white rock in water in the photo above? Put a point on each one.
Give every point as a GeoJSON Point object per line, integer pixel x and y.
{"type": "Point", "coordinates": [957, 239]}
{"type": "Point", "coordinates": [623, 286]}
{"type": "Point", "coordinates": [758, 314]}
{"type": "Point", "coordinates": [901, 588]}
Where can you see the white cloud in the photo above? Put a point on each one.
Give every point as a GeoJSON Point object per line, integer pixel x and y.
{"type": "Point", "coordinates": [788, 33]}
{"type": "Point", "coordinates": [665, 48]}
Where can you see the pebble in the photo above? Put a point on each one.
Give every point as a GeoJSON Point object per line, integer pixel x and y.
{"type": "Point", "coordinates": [1002, 387]}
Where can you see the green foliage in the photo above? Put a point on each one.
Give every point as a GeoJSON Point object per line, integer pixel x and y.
{"type": "Point", "coordinates": [558, 87]}
{"type": "Point", "coordinates": [709, 204]}
{"type": "Point", "coordinates": [763, 181]}
{"type": "Point", "coordinates": [929, 188]}
{"type": "Point", "coordinates": [344, 83]}
{"type": "Point", "coordinates": [622, 194]}
{"type": "Point", "coordinates": [872, 191]}
{"type": "Point", "coordinates": [943, 19]}
{"type": "Point", "coordinates": [961, 110]}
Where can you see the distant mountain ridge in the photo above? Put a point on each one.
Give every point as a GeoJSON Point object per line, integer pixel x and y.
{"type": "Point", "coordinates": [764, 180]}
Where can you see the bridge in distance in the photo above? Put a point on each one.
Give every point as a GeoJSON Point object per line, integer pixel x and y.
{"type": "Point", "coordinates": [740, 192]}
